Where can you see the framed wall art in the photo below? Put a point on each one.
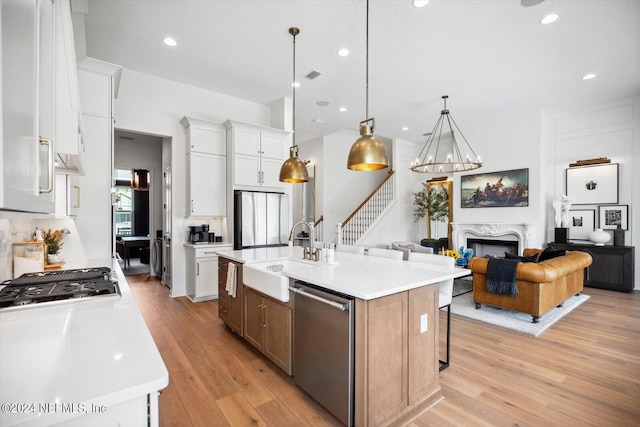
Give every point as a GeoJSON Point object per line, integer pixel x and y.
{"type": "Point", "coordinates": [614, 215]}
{"type": "Point", "coordinates": [495, 189]}
{"type": "Point", "coordinates": [581, 223]}
{"type": "Point", "coordinates": [593, 185]}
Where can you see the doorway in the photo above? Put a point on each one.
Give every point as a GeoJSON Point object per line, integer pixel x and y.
{"type": "Point", "coordinates": [138, 211]}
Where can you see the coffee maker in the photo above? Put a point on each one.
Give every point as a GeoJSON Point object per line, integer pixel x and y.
{"type": "Point", "coordinates": [199, 233]}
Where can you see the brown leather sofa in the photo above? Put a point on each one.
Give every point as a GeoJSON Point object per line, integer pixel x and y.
{"type": "Point", "coordinates": [541, 286]}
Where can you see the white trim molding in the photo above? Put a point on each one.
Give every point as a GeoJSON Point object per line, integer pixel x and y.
{"type": "Point", "coordinates": [524, 233]}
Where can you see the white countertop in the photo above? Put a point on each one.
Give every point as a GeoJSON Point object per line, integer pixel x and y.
{"type": "Point", "coordinates": [362, 276]}
{"type": "Point", "coordinates": [81, 352]}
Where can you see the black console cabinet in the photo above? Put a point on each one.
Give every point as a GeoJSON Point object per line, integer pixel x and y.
{"type": "Point", "coordinates": [612, 266]}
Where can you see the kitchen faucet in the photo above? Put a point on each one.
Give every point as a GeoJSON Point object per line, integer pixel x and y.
{"type": "Point", "coordinates": [308, 253]}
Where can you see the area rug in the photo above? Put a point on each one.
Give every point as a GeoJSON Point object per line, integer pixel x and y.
{"type": "Point", "coordinates": [463, 305]}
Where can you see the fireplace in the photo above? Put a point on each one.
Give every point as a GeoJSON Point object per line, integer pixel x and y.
{"type": "Point", "coordinates": [513, 238]}
{"type": "Point", "coordinates": [492, 247]}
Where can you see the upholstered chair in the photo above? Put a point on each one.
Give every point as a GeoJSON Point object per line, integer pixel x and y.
{"type": "Point", "coordinates": [408, 247]}
{"type": "Point", "coordinates": [445, 291]}
{"type": "Point", "coordinates": [350, 249]}
{"type": "Point", "coordinates": [385, 253]}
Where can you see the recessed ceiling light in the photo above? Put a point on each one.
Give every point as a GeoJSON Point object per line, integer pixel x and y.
{"type": "Point", "coordinates": [342, 109]}
{"type": "Point", "coordinates": [404, 128]}
{"type": "Point", "coordinates": [295, 84]}
{"type": "Point", "coordinates": [589, 76]}
{"type": "Point", "coordinates": [322, 103]}
{"type": "Point", "coordinates": [549, 19]}
{"type": "Point", "coordinates": [343, 52]}
{"type": "Point", "coordinates": [170, 42]}
{"type": "Point", "coordinates": [420, 3]}
{"type": "Point", "coordinates": [318, 121]}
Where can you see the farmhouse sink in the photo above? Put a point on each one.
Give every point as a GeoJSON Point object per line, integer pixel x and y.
{"type": "Point", "coordinates": [266, 277]}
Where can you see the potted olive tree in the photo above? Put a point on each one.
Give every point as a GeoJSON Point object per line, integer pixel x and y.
{"type": "Point", "coordinates": [432, 201]}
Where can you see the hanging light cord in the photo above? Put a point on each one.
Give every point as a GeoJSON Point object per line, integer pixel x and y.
{"type": "Point", "coordinates": [293, 84]}
{"type": "Point", "coordinates": [367, 65]}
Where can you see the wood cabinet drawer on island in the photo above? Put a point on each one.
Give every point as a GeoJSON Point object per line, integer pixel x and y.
{"type": "Point", "coordinates": [230, 307]}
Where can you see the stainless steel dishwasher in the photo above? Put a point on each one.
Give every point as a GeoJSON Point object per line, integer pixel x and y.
{"type": "Point", "coordinates": [323, 347]}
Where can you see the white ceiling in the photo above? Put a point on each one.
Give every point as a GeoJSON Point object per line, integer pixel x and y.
{"type": "Point", "coordinates": [492, 57]}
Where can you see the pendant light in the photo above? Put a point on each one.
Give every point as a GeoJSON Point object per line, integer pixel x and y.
{"type": "Point", "coordinates": [442, 152]}
{"type": "Point", "coordinates": [293, 169]}
{"type": "Point", "coordinates": [368, 152]}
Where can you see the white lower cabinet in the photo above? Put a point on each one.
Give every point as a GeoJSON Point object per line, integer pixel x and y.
{"type": "Point", "coordinates": [140, 411]}
{"type": "Point", "coordinates": [202, 272]}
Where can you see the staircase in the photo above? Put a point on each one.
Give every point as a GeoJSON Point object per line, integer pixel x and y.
{"type": "Point", "coordinates": [353, 229]}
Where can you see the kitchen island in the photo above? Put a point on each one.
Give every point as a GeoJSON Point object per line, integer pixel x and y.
{"type": "Point", "coordinates": [80, 362]}
{"type": "Point", "coordinates": [395, 353]}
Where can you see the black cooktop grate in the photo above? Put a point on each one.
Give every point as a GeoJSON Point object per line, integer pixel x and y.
{"type": "Point", "coordinates": [27, 294]}
{"type": "Point", "coordinates": [77, 275]}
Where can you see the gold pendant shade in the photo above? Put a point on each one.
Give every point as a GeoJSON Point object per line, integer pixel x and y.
{"type": "Point", "coordinates": [293, 169]}
{"type": "Point", "coordinates": [367, 153]}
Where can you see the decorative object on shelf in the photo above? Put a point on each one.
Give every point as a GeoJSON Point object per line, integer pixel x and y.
{"type": "Point", "coordinates": [592, 185]}
{"type": "Point", "coordinates": [445, 156]}
{"type": "Point", "coordinates": [598, 161]}
{"type": "Point", "coordinates": [465, 256]}
{"type": "Point", "coordinates": [368, 152]}
{"type": "Point", "coordinates": [618, 236]}
{"type": "Point", "coordinates": [561, 205]}
{"type": "Point", "coordinates": [581, 224]}
{"type": "Point", "coordinates": [495, 189]}
{"type": "Point", "coordinates": [599, 237]}
{"type": "Point", "coordinates": [293, 170]}
{"type": "Point", "coordinates": [613, 216]}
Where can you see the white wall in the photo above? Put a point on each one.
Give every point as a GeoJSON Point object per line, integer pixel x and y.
{"type": "Point", "coordinates": [612, 131]}
{"type": "Point", "coordinates": [508, 142]}
{"type": "Point", "coordinates": [155, 106]}
{"type": "Point", "coordinates": [339, 190]}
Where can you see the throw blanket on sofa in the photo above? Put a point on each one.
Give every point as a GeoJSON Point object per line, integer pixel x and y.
{"type": "Point", "coordinates": [501, 276]}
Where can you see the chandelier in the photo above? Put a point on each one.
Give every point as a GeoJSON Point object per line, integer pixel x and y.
{"type": "Point", "coordinates": [443, 152]}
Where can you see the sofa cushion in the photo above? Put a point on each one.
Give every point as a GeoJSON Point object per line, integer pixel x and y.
{"type": "Point", "coordinates": [530, 258]}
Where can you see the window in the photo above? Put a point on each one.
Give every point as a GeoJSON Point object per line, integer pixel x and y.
{"type": "Point", "coordinates": [124, 210]}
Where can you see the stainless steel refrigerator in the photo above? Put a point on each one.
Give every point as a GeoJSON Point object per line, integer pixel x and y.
{"type": "Point", "coordinates": [260, 219]}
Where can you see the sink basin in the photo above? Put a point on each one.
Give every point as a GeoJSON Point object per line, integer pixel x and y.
{"type": "Point", "coordinates": [266, 277]}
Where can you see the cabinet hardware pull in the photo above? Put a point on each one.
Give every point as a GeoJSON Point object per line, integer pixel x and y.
{"type": "Point", "coordinates": [264, 316]}
{"type": "Point", "coordinates": [197, 268]}
{"type": "Point", "coordinates": [77, 205]}
{"type": "Point", "coordinates": [191, 205]}
{"type": "Point", "coordinates": [49, 187]}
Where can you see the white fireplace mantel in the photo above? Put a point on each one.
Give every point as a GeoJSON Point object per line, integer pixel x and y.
{"type": "Point", "coordinates": [523, 232]}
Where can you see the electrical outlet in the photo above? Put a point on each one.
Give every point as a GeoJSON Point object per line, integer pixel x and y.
{"type": "Point", "coordinates": [424, 323]}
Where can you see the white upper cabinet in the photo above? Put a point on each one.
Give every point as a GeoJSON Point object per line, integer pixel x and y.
{"type": "Point", "coordinates": [27, 143]}
{"type": "Point", "coordinates": [207, 168]}
{"type": "Point", "coordinates": [68, 130]}
{"type": "Point", "coordinates": [255, 155]}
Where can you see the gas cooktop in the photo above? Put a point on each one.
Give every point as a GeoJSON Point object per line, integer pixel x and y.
{"type": "Point", "coordinates": [35, 288]}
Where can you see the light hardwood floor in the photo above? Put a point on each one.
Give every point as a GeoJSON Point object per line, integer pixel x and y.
{"type": "Point", "coordinates": [583, 371]}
